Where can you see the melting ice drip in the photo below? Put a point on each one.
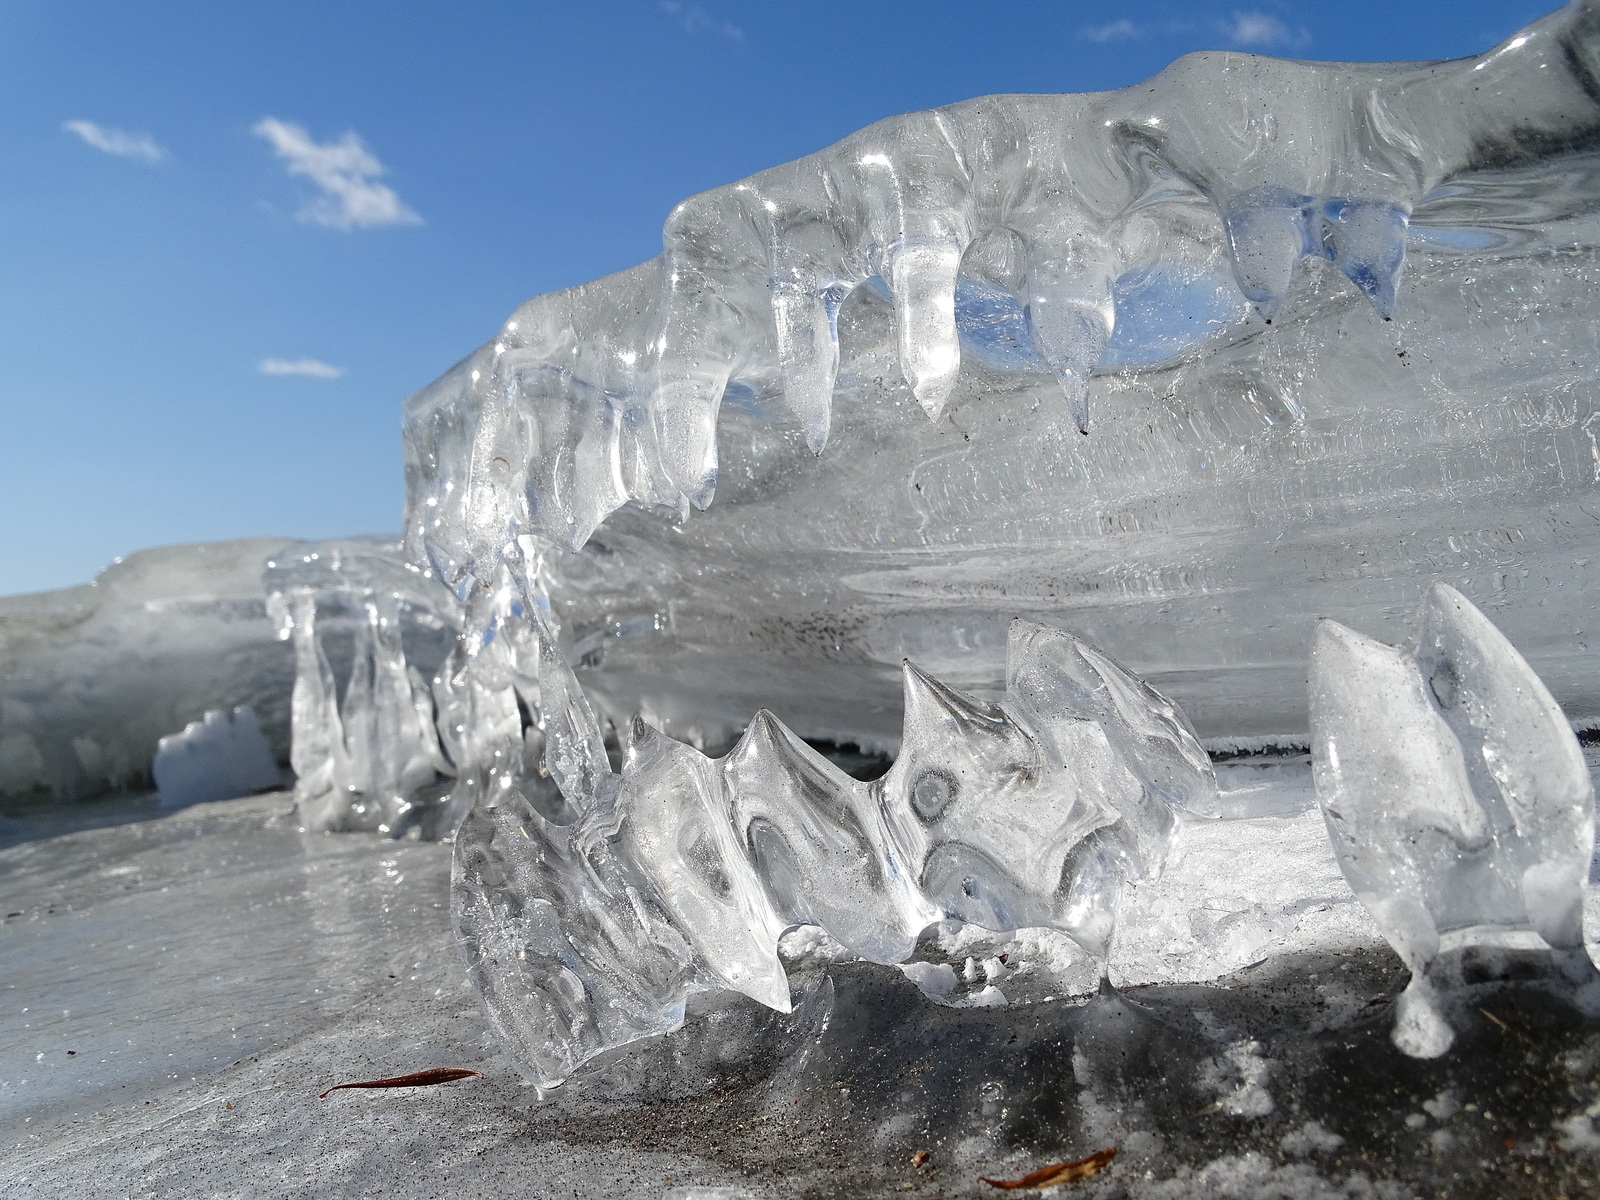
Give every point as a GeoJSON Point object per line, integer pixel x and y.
{"type": "Point", "coordinates": [680, 873]}
{"type": "Point", "coordinates": [1456, 796]}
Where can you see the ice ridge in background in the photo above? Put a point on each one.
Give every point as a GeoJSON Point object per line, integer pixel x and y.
{"type": "Point", "coordinates": [92, 677]}
{"type": "Point", "coordinates": [679, 873]}
{"type": "Point", "coordinates": [1456, 795]}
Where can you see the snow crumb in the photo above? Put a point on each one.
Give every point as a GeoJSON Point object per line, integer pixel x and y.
{"type": "Point", "coordinates": [1311, 1138]}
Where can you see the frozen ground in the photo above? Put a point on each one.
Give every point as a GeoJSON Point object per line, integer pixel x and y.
{"type": "Point", "coordinates": [179, 987]}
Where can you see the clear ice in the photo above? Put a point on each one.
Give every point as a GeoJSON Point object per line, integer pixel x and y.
{"type": "Point", "coordinates": [1456, 795]}
{"type": "Point", "coordinates": [367, 758]}
{"type": "Point", "coordinates": [1179, 367]}
{"type": "Point", "coordinates": [1036, 265]}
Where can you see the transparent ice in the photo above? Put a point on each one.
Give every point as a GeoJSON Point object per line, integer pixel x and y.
{"type": "Point", "coordinates": [1027, 256]}
{"type": "Point", "coordinates": [1180, 367]}
{"type": "Point", "coordinates": [1456, 796]}
{"type": "Point", "coordinates": [681, 873]}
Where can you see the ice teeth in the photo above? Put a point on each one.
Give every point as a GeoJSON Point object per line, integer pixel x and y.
{"type": "Point", "coordinates": [922, 283]}
{"type": "Point", "coordinates": [987, 818]}
{"type": "Point", "coordinates": [1455, 794]}
{"type": "Point", "coordinates": [684, 873]}
{"type": "Point", "coordinates": [676, 828]}
{"type": "Point", "coordinates": [814, 836]}
{"type": "Point", "coordinates": [1520, 748]}
{"type": "Point", "coordinates": [1071, 315]}
{"type": "Point", "coordinates": [1366, 239]}
{"type": "Point", "coordinates": [1269, 231]}
{"type": "Point", "coordinates": [575, 749]}
{"type": "Point", "coordinates": [1059, 676]}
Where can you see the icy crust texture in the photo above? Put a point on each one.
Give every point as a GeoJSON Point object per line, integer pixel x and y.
{"type": "Point", "coordinates": [217, 757]}
{"type": "Point", "coordinates": [1456, 796]}
{"type": "Point", "coordinates": [369, 757]}
{"type": "Point", "coordinates": [92, 677]}
{"type": "Point", "coordinates": [680, 872]}
{"type": "Point", "coordinates": [1036, 265]}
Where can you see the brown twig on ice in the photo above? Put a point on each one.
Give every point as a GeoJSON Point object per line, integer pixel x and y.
{"type": "Point", "coordinates": [415, 1079]}
{"type": "Point", "coordinates": [1063, 1172]}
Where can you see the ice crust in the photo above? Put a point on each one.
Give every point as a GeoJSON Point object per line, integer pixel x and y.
{"type": "Point", "coordinates": [216, 758]}
{"type": "Point", "coordinates": [1455, 794]}
{"type": "Point", "coordinates": [681, 873]}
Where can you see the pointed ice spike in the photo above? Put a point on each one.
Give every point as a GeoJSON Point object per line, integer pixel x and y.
{"type": "Point", "coordinates": [706, 281]}
{"type": "Point", "coordinates": [808, 356]}
{"type": "Point", "coordinates": [1519, 749]}
{"type": "Point", "coordinates": [574, 747]}
{"type": "Point", "coordinates": [931, 705]}
{"type": "Point", "coordinates": [1268, 233]}
{"type": "Point", "coordinates": [1366, 239]}
{"type": "Point", "coordinates": [1052, 675]}
{"type": "Point", "coordinates": [814, 837]}
{"type": "Point", "coordinates": [684, 409]}
{"type": "Point", "coordinates": [676, 828]}
{"type": "Point", "coordinates": [922, 283]}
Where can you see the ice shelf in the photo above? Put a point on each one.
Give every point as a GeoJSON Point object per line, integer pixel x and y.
{"type": "Point", "coordinates": [92, 677]}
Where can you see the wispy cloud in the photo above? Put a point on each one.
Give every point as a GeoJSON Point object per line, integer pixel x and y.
{"type": "Point", "coordinates": [347, 174]}
{"type": "Point", "coordinates": [695, 19]}
{"type": "Point", "coordinates": [139, 146]}
{"type": "Point", "coordinates": [311, 368]}
{"type": "Point", "coordinates": [1262, 29]}
{"type": "Point", "coordinates": [1122, 30]}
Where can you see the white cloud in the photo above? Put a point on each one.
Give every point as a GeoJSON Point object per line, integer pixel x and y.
{"type": "Point", "coordinates": [696, 19]}
{"type": "Point", "coordinates": [1122, 30]}
{"type": "Point", "coordinates": [140, 146]}
{"type": "Point", "coordinates": [309, 367]}
{"type": "Point", "coordinates": [345, 170]}
{"type": "Point", "coordinates": [1262, 29]}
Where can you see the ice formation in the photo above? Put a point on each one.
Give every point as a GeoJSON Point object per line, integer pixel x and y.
{"type": "Point", "coordinates": [1456, 796]}
{"type": "Point", "coordinates": [369, 757]}
{"type": "Point", "coordinates": [1239, 479]}
{"type": "Point", "coordinates": [215, 758]}
{"type": "Point", "coordinates": [681, 873]}
{"type": "Point", "coordinates": [1136, 364]}
{"type": "Point", "coordinates": [1210, 265]}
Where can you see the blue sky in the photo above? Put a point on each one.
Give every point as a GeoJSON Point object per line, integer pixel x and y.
{"type": "Point", "coordinates": [235, 236]}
